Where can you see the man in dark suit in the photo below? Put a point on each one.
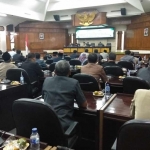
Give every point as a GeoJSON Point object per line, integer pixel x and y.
{"type": "Point", "coordinates": [60, 92]}
{"type": "Point", "coordinates": [32, 68]}
{"type": "Point", "coordinates": [111, 60]}
{"type": "Point", "coordinates": [18, 57]}
{"type": "Point", "coordinates": [60, 57]}
{"type": "Point", "coordinates": [74, 55]}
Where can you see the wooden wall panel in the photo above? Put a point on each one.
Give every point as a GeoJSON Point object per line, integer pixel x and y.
{"type": "Point", "coordinates": [135, 39]}
{"type": "Point", "coordinates": [55, 36]}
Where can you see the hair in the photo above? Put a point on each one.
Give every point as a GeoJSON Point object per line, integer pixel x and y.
{"type": "Point", "coordinates": [18, 51]}
{"type": "Point", "coordinates": [13, 49]}
{"type": "Point", "coordinates": [31, 55]}
{"type": "Point", "coordinates": [127, 52]}
{"type": "Point", "coordinates": [37, 55]}
{"type": "Point", "coordinates": [6, 57]}
{"type": "Point", "coordinates": [86, 50]}
{"type": "Point", "coordinates": [105, 51]}
{"type": "Point", "coordinates": [74, 51]}
{"type": "Point", "coordinates": [92, 58]}
{"type": "Point", "coordinates": [62, 68]}
{"type": "Point", "coordinates": [55, 53]}
{"type": "Point", "coordinates": [112, 56]}
{"type": "Point", "coordinates": [95, 50]}
{"type": "Point", "coordinates": [1, 52]}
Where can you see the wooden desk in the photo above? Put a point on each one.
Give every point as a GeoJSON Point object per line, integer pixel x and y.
{"type": "Point", "coordinates": [8, 94]}
{"type": "Point", "coordinates": [89, 118]}
{"type": "Point", "coordinates": [114, 115]}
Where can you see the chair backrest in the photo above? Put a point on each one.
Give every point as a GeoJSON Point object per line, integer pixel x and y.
{"type": "Point", "coordinates": [126, 64]}
{"type": "Point", "coordinates": [92, 44]}
{"type": "Point", "coordinates": [52, 67]}
{"type": "Point", "coordinates": [113, 70]}
{"type": "Point", "coordinates": [49, 61]}
{"type": "Point", "coordinates": [108, 44]}
{"type": "Point", "coordinates": [14, 75]}
{"type": "Point", "coordinates": [74, 62]}
{"type": "Point", "coordinates": [87, 82]}
{"type": "Point", "coordinates": [30, 113]}
{"type": "Point", "coordinates": [131, 84]}
{"type": "Point", "coordinates": [134, 135]}
{"type": "Point", "coordinates": [85, 62]}
{"type": "Point", "coordinates": [67, 58]}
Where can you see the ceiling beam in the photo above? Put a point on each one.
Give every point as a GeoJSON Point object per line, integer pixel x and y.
{"type": "Point", "coordinates": [137, 4]}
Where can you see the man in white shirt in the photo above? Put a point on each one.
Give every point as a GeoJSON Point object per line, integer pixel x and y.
{"type": "Point", "coordinates": [12, 52]}
{"type": "Point", "coordinates": [104, 54]}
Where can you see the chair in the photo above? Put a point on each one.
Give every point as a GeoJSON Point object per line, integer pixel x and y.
{"type": "Point", "coordinates": [108, 44]}
{"type": "Point", "coordinates": [14, 75]}
{"type": "Point", "coordinates": [74, 62]}
{"type": "Point", "coordinates": [134, 135]}
{"type": "Point", "coordinates": [49, 61]}
{"type": "Point", "coordinates": [126, 64]}
{"type": "Point", "coordinates": [67, 58]}
{"type": "Point", "coordinates": [29, 113]}
{"type": "Point", "coordinates": [86, 62]}
{"type": "Point", "coordinates": [131, 84]}
{"type": "Point", "coordinates": [52, 67]}
{"type": "Point", "coordinates": [100, 45]}
{"type": "Point", "coordinates": [113, 70]}
{"type": "Point", "coordinates": [87, 82]}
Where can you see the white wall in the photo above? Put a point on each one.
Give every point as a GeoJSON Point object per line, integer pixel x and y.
{"type": "Point", "coordinates": [104, 41]}
{"type": "Point", "coordinates": [3, 41]}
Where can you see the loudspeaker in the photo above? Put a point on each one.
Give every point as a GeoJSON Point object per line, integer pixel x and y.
{"type": "Point", "coordinates": [56, 17]}
{"type": "Point", "coordinates": [10, 27]}
{"type": "Point", "coordinates": [123, 11]}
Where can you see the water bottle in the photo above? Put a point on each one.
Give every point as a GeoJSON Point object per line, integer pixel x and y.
{"type": "Point", "coordinates": [107, 91]}
{"type": "Point", "coordinates": [34, 140]}
{"type": "Point", "coordinates": [21, 79]}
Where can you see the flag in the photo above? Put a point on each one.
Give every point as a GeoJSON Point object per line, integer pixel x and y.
{"type": "Point", "coordinates": [26, 44]}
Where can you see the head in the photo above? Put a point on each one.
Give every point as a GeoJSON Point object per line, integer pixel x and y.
{"type": "Point", "coordinates": [92, 58]}
{"type": "Point", "coordinates": [1, 52]}
{"type": "Point", "coordinates": [18, 51]}
{"type": "Point", "coordinates": [62, 68]}
{"type": "Point", "coordinates": [127, 52]}
{"type": "Point", "coordinates": [37, 55]}
{"type": "Point", "coordinates": [6, 57]}
{"type": "Point", "coordinates": [86, 50]}
{"type": "Point", "coordinates": [105, 51]}
{"type": "Point", "coordinates": [112, 56]}
{"type": "Point", "coordinates": [55, 54]}
{"type": "Point", "coordinates": [95, 50]}
{"type": "Point", "coordinates": [13, 49]}
{"type": "Point", "coordinates": [75, 51]}
{"type": "Point", "coordinates": [31, 56]}
{"type": "Point", "coordinates": [60, 54]}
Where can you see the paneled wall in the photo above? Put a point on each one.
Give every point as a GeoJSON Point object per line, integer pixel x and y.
{"type": "Point", "coordinates": [55, 36]}
{"type": "Point", "coordinates": [135, 39]}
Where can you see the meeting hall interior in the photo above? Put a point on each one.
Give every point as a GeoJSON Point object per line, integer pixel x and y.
{"type": "Point", "coordinates": [75, 74]}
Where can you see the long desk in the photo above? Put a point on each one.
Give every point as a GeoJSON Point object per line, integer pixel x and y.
{"type": "Point", "coordinates": [70, 50]}
{"type": "Point", "coordinates": [8, 94]}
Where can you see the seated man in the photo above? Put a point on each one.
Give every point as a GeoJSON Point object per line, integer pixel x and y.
{"type": "Point", "coordinates": [60, 57]}
{"type": "Point", "coordinates": [74, 54]}
{"type": "Point", "coordinates": [32, 68]}
{"type": "Point", "coordinates": [18, 57]}
{"type": "Point", "coordinates": [111, 60]}
{"type": "Point", "coordinates": [60, 92]}
{"type": "Point", "coordinates": [4, 66]}
{"type": "Point", "coordinates": [55, 55]}
{"type": "Point", "coordinates": [144, 73]}
{"type": "Point", "coordinates": [104, 54]}
{"type": "Point", "coordinates": [140, 106]}
{"type": "Point", "coordinates": [93, 69]}
{"type": "Point", "coordinates": [128, 57]}
{"type": "Point", "coordinates": [41, 63]}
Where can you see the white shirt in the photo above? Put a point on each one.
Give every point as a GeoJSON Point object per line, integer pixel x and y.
{"type": "Point", "coordinates": [12, 53]}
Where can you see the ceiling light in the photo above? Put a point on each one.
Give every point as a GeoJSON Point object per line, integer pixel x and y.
{"type": "Point", "coordinates": [4, 15]}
